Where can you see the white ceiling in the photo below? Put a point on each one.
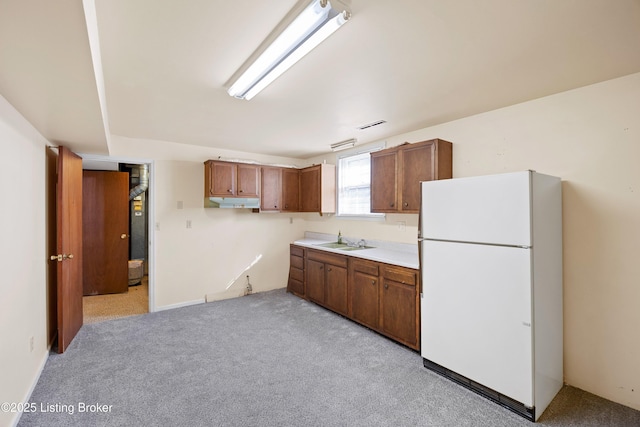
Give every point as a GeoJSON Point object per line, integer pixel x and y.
{"type": "Point", "coordinates": [413, 63]}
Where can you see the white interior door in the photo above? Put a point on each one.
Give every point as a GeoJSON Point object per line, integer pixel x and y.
{"type": "Point", "coordinates": [476, 314]}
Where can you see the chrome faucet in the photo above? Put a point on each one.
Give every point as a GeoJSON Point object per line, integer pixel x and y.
{"type": "Point", "coordinates": [361, 243]}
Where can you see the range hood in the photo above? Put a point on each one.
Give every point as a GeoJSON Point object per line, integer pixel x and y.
{"type": "Point", "coordinates": [233, 202]}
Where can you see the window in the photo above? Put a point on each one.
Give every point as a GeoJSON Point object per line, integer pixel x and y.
{"type": "Point", "coordinates": [354, 183]}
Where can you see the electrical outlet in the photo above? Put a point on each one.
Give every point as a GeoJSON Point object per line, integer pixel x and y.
{"type": "Point", "coordinates": [401, 225]}
{"type": "Point", "coordinates": [188, 223]}
{"type": "Point", "coordinates": [31, 344]}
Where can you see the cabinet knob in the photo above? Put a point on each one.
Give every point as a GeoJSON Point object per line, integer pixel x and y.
{"type": "Point", "coordinates": [391, 204]}
{"type": "Point", "coordinates": [373, 282]}
{"type": "Point", "coordinates": [386, 286]}
{"type": "Point", "coordinates": [406, 204]}
{"type": "Point", "coordinates": [229, 191]}
{"type": "Point", "coordinates": [329, 269]}
{"type": "Point", "coordinates": [240, 191]}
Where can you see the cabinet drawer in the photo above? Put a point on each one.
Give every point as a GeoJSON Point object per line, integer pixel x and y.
{"type": "Point", "coordinates": [329, 258]}
{"type": "Point", "coordinates": [296, 274]}
{"type": "Point", "coordinates": [296, 250]}
{"type": "Point", "coordinates": [401, 275]}
{"type": "Point", "coordinates": [366, 267]}
{"type": "Point", "coordinates": [296, 262]}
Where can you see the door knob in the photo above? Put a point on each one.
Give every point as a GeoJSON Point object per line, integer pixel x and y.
{"type": "Point", "coordinates": [123, 236]}
{"type": "Point", "coordinates": [60, 257]}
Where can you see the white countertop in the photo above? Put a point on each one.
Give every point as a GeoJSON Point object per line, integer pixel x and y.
{"type": "Point", "coordinates": [402, 254]}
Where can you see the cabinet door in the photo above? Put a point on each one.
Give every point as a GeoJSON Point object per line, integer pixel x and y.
{"type": "Point", "coordinates": [271, 184]}
{"type": "Point", "coordinates": [364, 299]}
{"type": "Point", "coordinates": [310, 189]}
{"type": "Point", "coordinates": [315, 280]}
{"type": "Point", "coordinates": [417, 165]}
{"type": "Point", "coordinates": [290, 189]}
{"type": "Point", "coordinates": [384, 185]}
{"type": "Point", "coordinates": [399, 305]}
{"type": "Point", "coordinates": [222, 179]}
{"type": "Point", "coordinates": [248, 180]}
{"type": "Point", "coordinates": [336, 288]}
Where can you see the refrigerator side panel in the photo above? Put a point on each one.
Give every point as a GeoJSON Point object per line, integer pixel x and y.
{"type": "Point", "coordinates": [547, 288]}
{"type": "Point", "coordinates": [486, 209]}
{"type": "Point", "coordinates": [476, 314]}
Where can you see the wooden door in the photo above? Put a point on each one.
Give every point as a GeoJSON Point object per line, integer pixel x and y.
{"type": "Point", "coordinates": [384, 182]}
{"type": "Point", "coordinates": [271, 182]}
{"type": "Point", "coordinates": [417, 165]}
{"type": "Point", "coordinates": [315, 280]}
{"type": "Point", "coordinates": [106, 232]}
{"type": "Point", "coordinates": [291, 189]}
{"type": "Point", "coordinates": [222, 179]}
{"type": "Point", "coordinates": [399, 305]}
{"type": "Point", "coordinates": [364, 299]}
{"type": "Point", "coordinates": [248, 180]}
{"type": "Point", "coordinates": [336, 289]}
{"type": "Point", "coordinates": [69, 246]}
{"type": "Point", "coordinates": [310, 189]}
{"type": "Point", "coordinates": [52, 246]}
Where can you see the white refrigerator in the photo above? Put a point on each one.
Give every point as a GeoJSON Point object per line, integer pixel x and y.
{"type": "Point", "coordinates": [491, 286]}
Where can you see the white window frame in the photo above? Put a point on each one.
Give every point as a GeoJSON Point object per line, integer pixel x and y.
{"type": "Point", "coordinates": [350, 153]}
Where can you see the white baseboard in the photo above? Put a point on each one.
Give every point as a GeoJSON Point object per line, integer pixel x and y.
{"type": "Point", "coordinates": [27, 398]}
{"type": "Point", "coordinates": [219, 296]}
{"type": "Point", "coordinates": [180, 304]}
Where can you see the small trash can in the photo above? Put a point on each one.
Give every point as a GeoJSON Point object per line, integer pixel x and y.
{"type": "Point", "coordinates": [136, 271]}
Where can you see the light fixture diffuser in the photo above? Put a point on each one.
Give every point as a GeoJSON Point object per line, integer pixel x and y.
{"type": "Point", "coordinates": [314, 24]}
{"type": "Point", "coordinates": [343, 145]}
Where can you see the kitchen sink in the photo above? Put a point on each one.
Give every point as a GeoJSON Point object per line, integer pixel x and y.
{"type": "Point", "coordinates": [343, 246]}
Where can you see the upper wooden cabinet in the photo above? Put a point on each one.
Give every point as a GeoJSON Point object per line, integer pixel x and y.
{"type": "Point", "coordinates": [280, 189]}
{"type": "Point", "coordinates": [227, 179]}
{"type": "Point", "coordinates": [290, 190]}
{"type": "Point", "coordinates": [396, 174]}
{"type": "Point", "coordinates": [271, 185]}
{"type": "Point", "coordinates": [318, 189]}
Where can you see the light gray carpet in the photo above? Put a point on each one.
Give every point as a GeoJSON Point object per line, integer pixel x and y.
{"type": "Point", "coordinates": [268, 359]}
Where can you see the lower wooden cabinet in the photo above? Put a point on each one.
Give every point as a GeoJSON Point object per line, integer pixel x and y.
{"type": "Point", "coordinates": [365, 292]}
{"type": "Point", "coordinates": [380, 296]}
{"type": "Point", "coordinates": [295, 284]}
{"type": "Point", "coordinates": [399, 302]}
{"type": "Point", "coordinates": [326, 279]}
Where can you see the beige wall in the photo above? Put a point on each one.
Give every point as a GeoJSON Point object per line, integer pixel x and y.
{"type": "Point", "coordinates": [591, 139]}
{"type": "Point", "coordinates": [223, 243]}
{"type": "Point", "coordinates": [23, 258]}
{"type": "Point", "coordinates": [588, 136]}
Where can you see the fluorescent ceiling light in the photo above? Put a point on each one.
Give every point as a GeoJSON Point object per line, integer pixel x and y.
{"type": "Point", "coordinates": [314, 24]}
{"type": "Point", "coordinates": [343, 145]}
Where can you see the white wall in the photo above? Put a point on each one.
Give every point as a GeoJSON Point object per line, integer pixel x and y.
{"type": "Point", "coordinates": [590, 137]}
{"type": "Point", "coordinates": [222, 243]}
{"type": "Point", "coordinates": [22, 257]}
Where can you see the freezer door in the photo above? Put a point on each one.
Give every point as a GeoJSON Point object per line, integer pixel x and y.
{"type": "Point", "coordinates": [492, 209]}
{"type": "Point", "coordinates": [476, 314]}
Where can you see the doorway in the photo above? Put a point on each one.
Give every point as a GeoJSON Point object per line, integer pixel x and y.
{"type": "Point", "coordinates": [139, 297]}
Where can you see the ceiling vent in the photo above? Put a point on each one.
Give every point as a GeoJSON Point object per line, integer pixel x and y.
{"type": "Point", "coordinates": [370, 125]}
